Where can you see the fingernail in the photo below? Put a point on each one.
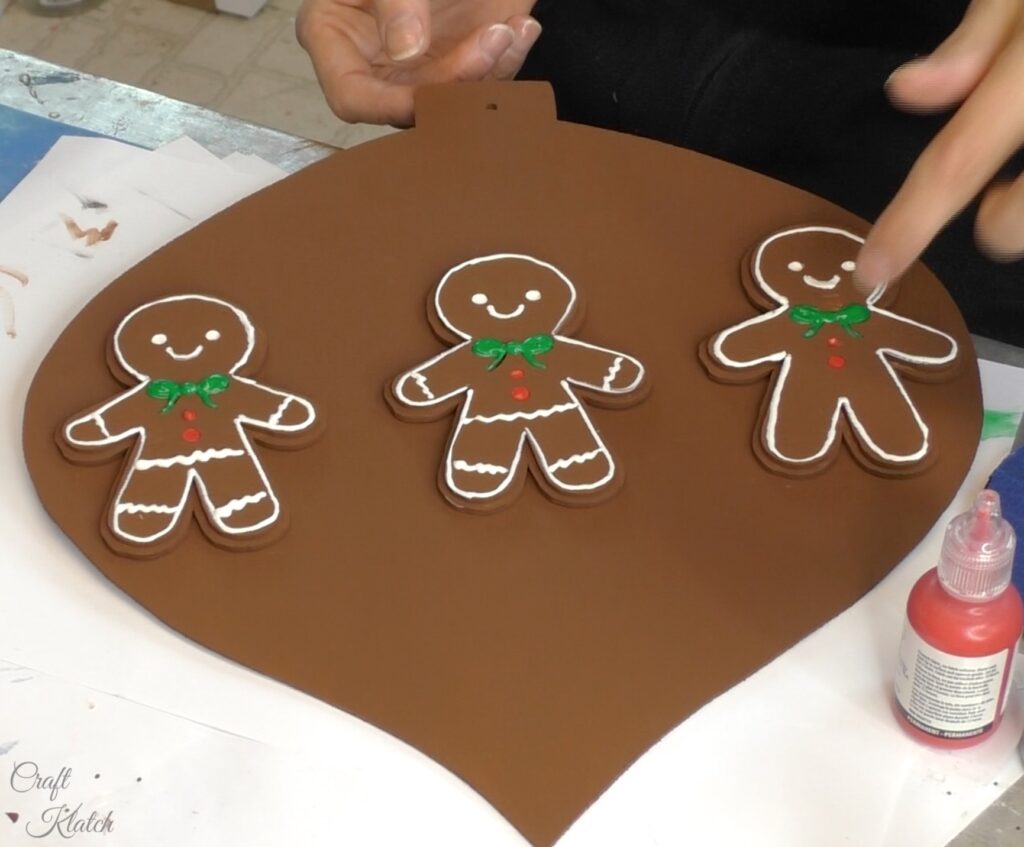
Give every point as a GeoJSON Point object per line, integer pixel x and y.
{"type": "Point", "coordinates": [905, 68]}
{"type": "Point", "coordinates": [531, 30]}
{"type": "Point", "coordinates": [496, 40]}
{"type": "Point", "coordinates": [403, 37]}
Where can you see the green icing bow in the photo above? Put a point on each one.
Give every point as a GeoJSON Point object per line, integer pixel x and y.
{"type": "Point", "coordinates": [172, 392]}
{"type": "Point", "coordinates": [846, 317]}
{"type": "Point", "coordinates": [529, 348]}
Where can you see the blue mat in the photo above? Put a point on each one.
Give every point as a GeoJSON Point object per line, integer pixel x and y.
{"type": "Point", "coordinates": [1008, 480]}
{"type": "Point", "coordinates": [24, 140]}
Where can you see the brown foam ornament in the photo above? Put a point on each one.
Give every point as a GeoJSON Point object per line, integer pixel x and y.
{"type": "Point", "coordinates": [836, 357]}
{"type": "Point", "coordinates": [538, 650]}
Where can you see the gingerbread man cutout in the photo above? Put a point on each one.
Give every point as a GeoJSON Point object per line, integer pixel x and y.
{"type": "Point", "coordinates": [187, 414]}
{"type": "Point", "coordinates": [513, 374]}
{"type": "Point", "coordinates": [834, 354]}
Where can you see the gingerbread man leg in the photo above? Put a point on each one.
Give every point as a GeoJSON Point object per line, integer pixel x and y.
{"type": "Point", "coordinates": [237, 496]}
{"type": "Point", "coordinates": [149, 504]}
{"type": "Point", "coordinates": [484, 458]}
{"type": "Point", "coordinates": [801, 423]}
{"type": "Point", "coordinates": [570, 452]}
{"type": "Point", "coordinates": [885, 423]}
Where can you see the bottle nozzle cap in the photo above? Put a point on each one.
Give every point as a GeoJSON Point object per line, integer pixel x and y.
{"type": "Point", "coordinates": [977, 552]}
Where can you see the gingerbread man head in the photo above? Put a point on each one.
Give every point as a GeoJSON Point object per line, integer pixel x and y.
{"type": "Point", "coordinates": [504, 296]}
{"type": "Point", "coordinates": [181, 338]}
{"type": "Point", "coordinates": [812, 265]}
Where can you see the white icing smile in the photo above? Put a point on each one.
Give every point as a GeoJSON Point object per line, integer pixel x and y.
{"type": "Point", "coordinates": [504, 316]}
{"type": "Point", "coordinates": [183, 357]}
{"type": "Point", "coordinates": [824, 284]}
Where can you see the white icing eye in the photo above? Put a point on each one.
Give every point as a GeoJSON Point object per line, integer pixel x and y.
{"type": "Point", "coordinates": [849, 266]}
{"type": "Point", "coordinates": [479, 298]}
{"type": "Point", "coordinates": [159, 339]}
{"type": "Point", "coordinates": [533, 295]}
{"type": "Point", "coordinates": [212, 335]}
{"type": "Point", "coordinates": [796, 266]}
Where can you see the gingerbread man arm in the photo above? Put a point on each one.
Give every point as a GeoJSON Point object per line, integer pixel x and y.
{"type": "Point", "coordinates": [436, 380]}
{"type": "Point", "coordinates": [598, 368]}
{"type": "Point", "coordinates": [271, 409]}
{"type": "Point", "coordinates": [752, 342]}
{"type": "Point", "coordinates": [114, 421]}
{"type": "Point", "coordinates": [914, 342]}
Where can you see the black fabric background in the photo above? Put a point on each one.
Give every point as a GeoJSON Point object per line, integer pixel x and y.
{"type": "Point", "coordinates": [793, 89]}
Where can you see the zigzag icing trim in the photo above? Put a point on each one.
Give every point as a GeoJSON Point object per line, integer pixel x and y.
{"type": "Point", "coordinates": [190, 459]}
{"type": "Point", "coordinates": [522, 416]}
{"type": "Point", "coordinates": [577, 459]}
{"type": "Point", "coordinates": [239, 503]}
{"type": "Point", "coordinates": [613, 372]}
{"type": "Point", "coordinates": [479, 467]}
{"type": "Point", "coordinates": [100, 424]}
{"type": "Point", "coordinates": [275, 418]}
{"type": "Point", "coordinates": [146, 509]}
{"type": "Point", "coordinates": [421, 381]}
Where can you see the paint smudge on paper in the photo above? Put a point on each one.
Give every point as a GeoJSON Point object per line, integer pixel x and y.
{"type": "Point", "coordinates": [18, 275]}
{"type": "Point", "coordinates": [999, 424]}
{"type": "Point", "coordinates": [7, 302]}
{"type": "Point", "coordinates": [7, 313]}
{"type": "Point", "coordinates": [88, 203]}
{"type": "Point", "coordinates": [92, 235]}
{"type": "Point", "coordinates": [6, 747]}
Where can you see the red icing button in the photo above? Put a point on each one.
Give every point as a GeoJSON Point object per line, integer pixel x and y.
{"type": "Point", "coordinates": [517, 373]}
{"type": "Point", "coordinates": [189, 415]}
{"type": "Point", "coordinates": [520, 392]}
{"type": "Point", "coordinates": [832, 341]}
{"type": "Point", "coordinates": [192, 434]}
{"type": "Point", "coordinates": [836, 362]}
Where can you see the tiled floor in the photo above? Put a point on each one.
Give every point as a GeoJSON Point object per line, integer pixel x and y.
{"type": "Point", "coordinates": [250, 68]}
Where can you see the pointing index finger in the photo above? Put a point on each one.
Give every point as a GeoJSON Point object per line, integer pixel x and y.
{"type": "Point", "coordinates": [963, 157]}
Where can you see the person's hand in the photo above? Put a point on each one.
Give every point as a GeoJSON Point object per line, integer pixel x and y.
{"type": "Point", "coordinates": [980, 66]}
{"type": "Point", "coordinates": [370, 55]}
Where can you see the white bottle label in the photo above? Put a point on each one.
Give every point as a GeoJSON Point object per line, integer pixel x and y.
{"type": "Point", "coordinates": [945, 695]}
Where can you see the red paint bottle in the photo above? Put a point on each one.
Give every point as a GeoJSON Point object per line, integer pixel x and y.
{"type": "Point", "coordinates": [964, 620]}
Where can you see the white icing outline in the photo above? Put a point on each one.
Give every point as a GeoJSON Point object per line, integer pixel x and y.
{"type": "Point", "coordinates": [842, 402]}
{"type": "Point", "coordinates": [497, 257]}
{"type": "Point", "coordinates": [464, 419]}
{"type": "Point", "coordinates": [775, 295]}
{"type": "Point", "coordinates": [183, 357]}
{"type": "Point", "coordinates": [192, 477]}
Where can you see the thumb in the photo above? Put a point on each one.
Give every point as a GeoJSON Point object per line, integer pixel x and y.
{"type": "Point", "coordinates": [404, 27]}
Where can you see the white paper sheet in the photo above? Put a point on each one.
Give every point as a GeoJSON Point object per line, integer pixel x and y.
{"type": "Point", "coordinates": [803, 752]}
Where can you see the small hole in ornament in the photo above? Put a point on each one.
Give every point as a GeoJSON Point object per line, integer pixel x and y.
{"type": "Point", "coordinates": [491, 107]}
